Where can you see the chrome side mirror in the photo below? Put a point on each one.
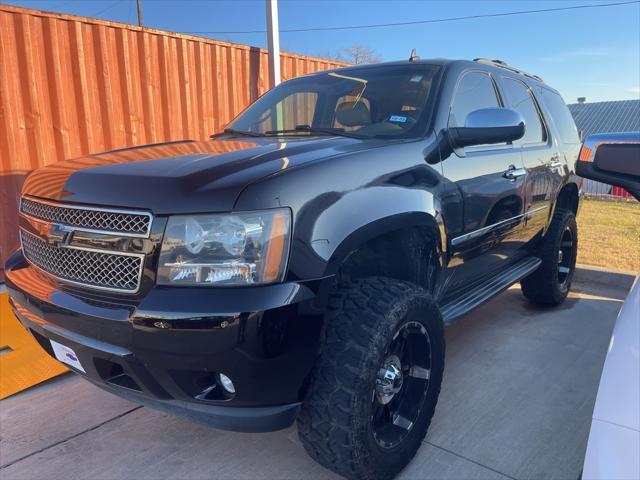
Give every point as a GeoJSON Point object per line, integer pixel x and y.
{"type": "Point", "coordinates": [488, 125]}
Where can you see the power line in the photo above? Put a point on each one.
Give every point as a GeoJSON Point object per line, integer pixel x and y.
{"type": "Point", "coordinates": [108, 7]}
{"type": "Point", "coordinates": [421, 22]}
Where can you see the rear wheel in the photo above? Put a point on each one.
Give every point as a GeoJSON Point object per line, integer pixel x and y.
{"type": "Point", "coordinates": [376, 383]}
{"type": "Point", "coordinates": [550, 283]}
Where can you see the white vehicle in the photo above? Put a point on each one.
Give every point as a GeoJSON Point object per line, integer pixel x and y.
{"type": "Point", "coordinates": [613, 451]}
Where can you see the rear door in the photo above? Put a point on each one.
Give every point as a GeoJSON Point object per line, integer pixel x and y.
{"type": "Point", "coordinates": [563, 132]}
{"type": "Point", "coordinates": [541, 157]}
{"type": "Point", "coordinates": [491, 183]}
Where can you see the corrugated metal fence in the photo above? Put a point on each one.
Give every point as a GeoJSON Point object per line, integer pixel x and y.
{"type": "Point", "coordinates": [70, 86]}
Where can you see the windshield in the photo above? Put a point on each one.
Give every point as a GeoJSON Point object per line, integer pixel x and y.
{"type": "Point", "coordinates": [381, 101]}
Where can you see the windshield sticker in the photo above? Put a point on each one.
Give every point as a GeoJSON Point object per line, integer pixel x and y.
{"type": "Point", "coordinates": [398, 118]}
{"type": "Point", "coordinates": [416, 78]}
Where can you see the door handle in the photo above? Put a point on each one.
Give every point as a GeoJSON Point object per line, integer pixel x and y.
{"type": "Point", "coordinates": [512, 173]}
{"type": "Point", "coordinates": [555, 161]}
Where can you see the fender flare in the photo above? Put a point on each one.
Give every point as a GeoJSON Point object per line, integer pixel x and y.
{"type": "Point", "coordinates": [386, 225]}
{"type": "Point", "coordinates": [572, 180]}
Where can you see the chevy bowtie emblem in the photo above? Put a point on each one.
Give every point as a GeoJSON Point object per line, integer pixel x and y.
{"type": "Point", "coordinates": [59, 234]}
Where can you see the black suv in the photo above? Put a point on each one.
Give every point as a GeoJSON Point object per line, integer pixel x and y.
{"type": "Point", "coordinates": [303, 263]}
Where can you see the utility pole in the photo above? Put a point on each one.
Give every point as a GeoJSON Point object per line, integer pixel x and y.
{"type": "Point", "coordinates": [139, 12]}
{"type": "Point", "coordinates": [273, 42]}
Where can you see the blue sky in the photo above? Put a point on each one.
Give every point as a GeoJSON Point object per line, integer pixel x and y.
{"type": "Point", "coordinates": [591, 52]}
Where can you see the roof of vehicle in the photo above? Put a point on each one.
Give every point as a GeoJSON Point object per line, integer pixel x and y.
{"type": "Point", "coordinates": [494, 65]}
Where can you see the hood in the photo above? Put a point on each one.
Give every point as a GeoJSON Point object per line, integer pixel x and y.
{"type": "Point", "coordinates": [179, 177]}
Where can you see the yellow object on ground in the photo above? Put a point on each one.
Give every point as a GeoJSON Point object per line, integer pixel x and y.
{"type": "Point", "coordinates": [23, 363]}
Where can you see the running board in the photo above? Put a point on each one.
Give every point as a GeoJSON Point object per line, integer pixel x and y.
{"type": "Point", "coordinates": [485, 291]}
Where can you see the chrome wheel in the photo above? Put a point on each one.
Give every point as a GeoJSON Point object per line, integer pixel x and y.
{"type": "Point", "coordinates": [389, 381]}
{"type": "Point", "coordinates": [401, 385]}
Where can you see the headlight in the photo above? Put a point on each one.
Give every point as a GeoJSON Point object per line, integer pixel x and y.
{"type": "Point", "coordinates": [225, 249]}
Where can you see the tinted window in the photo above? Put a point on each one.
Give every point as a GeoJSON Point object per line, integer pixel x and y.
{"type": "Point", "coordinates": [475, 91]}
{"type": "Point", "coordinates": [560, 116]}
{"type": "Point", "coordinates": [296, 109]}
{"type": "Point", "coordinates": [379, 101]}
{"type": "Point", "coordinates": [349, 100]}
{"type": "Point", "coordinates": [520, 99]}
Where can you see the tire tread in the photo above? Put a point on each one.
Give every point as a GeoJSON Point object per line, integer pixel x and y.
{"type": "Point", "coordinates": [541, 286]}
{"type": "Point", "coordinates": [355, 313]}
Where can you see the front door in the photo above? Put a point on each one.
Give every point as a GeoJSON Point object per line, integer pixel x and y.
{"type": "Point", "coordinates": [488, 191]}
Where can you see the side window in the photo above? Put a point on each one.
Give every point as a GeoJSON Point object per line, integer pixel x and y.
{"type": "Point", "coordinates": [520, 99]}
{"type": "Point", "coordinates": [560, 116]}
{"type": "Point", "coordinates": [475, 91]}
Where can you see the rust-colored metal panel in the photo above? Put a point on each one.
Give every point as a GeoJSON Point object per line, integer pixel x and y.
{"type": "Point", "coordinates": [72, 86]}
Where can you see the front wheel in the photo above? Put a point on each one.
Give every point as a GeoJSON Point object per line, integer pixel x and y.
{"type": "Point", "coordinates": [374, 389]}
{"type": "Point", "coordinates": [550, 283]}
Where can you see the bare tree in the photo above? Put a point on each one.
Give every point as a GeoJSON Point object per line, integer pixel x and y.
{"type": "Point", "coordinates": [355, 54]}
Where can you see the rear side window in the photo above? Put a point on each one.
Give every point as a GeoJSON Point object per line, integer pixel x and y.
{"type": "Point", "coordinates": [520, 99]}
{"type": "Point", "coordinates": [560, 116]}
{"type": "Point", "coordinates": [475, 91]}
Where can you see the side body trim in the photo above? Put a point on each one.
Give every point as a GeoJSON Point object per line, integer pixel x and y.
{"type": "Point", "coordinates": [484, 230]}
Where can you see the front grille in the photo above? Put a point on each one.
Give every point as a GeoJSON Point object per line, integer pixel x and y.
{"type": "Point", "coordinates": [89, 218]}
{"type": "Point", "coordinates": [103, 270]}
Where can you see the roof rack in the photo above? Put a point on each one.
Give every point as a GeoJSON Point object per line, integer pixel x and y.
{"type": "Point", "coordinates": [506, 66]}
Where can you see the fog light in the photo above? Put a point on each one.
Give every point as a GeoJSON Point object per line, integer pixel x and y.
{"type": "Point", "coordinates": [227, 384]}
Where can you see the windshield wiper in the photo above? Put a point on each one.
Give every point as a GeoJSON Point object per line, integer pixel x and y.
{"type": "Point", "coordinates": [243, 133]}
{"type": "Point", "coordinates": [322, 130]}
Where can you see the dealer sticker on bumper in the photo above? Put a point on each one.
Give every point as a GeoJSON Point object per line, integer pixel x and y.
{"type": "Point", "coordinates": [66, 355]}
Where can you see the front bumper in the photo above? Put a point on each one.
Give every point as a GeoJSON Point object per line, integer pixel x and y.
{"type": "Point", "coordinates": [166, 348]}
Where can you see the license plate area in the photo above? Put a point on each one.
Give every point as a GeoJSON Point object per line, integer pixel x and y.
{"type": "Point", "coordinates": [66, 355]}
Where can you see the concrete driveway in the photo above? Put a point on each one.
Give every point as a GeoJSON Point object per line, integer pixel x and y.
{"type": "Point", "coordinates": [517, 398]}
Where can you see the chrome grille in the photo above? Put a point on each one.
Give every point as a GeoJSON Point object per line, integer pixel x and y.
{"type": "Point", "coordinates": [89, 218]}
{"type": "Point", "coordinates": [92, 268]}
